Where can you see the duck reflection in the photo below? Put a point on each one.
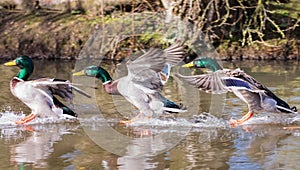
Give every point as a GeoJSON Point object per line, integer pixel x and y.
{"type": "Point", "coordinates": [140, 146]}
{"type": "Point", "coordinates": [148, 144]}
{"type": "Point", "coordinates": [266, 147]}
{"type": "Point", "coordinates": [37, 147]}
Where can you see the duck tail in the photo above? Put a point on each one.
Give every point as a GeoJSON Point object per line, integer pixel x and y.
{"type": "Point", "coordinates": [172, 107]}
{"type": "Point", "coordinates": [66, 110]}
{"type": "Point", "coordinates": [287, 110]}
{"type": "Point", "coordinates": [281, 105]}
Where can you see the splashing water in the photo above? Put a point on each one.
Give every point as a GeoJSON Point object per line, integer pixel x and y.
{"type": "Point", "coordinates": [272, 118]}
{"type": "Point", "coordinates": [208, 120]}
{"type": "Point", "coordinates": [8, 118]}
{"type": "Point", "coordinates": [202, 120]}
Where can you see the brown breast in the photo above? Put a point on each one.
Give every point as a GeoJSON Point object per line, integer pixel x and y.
{"type": "Point", "coordinates": [112, 88]}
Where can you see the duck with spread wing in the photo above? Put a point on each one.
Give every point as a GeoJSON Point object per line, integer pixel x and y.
{"type": "Point", "coordinates": [143, 84]}
{"type": "Point", "coordinates": [38, 94]}
{"type": "Point", "coordinates": [258, 97]}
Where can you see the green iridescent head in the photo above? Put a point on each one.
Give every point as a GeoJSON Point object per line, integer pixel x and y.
{"type": "Point", "coordinates": [204, 62]}
{"type": "Point", "coordinates": [25, 64]}
{"type": "Point", "coordinates": [95, 71]}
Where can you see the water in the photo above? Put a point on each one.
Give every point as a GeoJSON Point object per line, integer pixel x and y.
{"type": "Point", "coordinates": [261, 143]}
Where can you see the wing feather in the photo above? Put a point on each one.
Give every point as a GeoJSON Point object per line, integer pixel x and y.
{"type": "Point", "coordinates": [210, 83]}
{"type": "Point", "coordinates": [62, 88]}
{"type": "Point", "coordinates": [218, 83]}
{"type": "Point", "coordinates": [145, 69]}
{"type": "Point", "coordinates": [155, 59]}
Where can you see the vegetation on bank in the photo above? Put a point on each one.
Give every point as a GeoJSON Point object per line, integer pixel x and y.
{"type": "Point", "coordinates": [239, 29]}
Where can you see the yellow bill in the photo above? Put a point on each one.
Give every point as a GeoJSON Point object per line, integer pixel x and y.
{"type": "Point", "coordinates": [191, 64]}
{"type": "Point", "coordinates": [79, 73]}
{"type": "Point", "coordinates": [11, 63]}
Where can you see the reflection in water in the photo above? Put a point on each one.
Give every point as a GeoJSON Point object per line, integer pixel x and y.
{"type": "Point", "coordinates": [149, 143]}
{"type": "Point", "coordinates": [262, 143]}
{"type": "Point", "coordinates": [137, 154]}
{"type": "Point", "coordinates": [260, 148]}
{"type": "Point", "coordinates": [37, 147]}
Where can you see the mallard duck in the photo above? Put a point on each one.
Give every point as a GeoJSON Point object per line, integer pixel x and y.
{"type": "Point", "coordinates": [38, 94]}
{"type": "Point", "coordinates": [258, 97]}
{"type": "Point", "coordinates": [144, 81]}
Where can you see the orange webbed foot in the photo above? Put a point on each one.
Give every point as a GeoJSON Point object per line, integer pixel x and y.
{"type": "Point", "coordinates": [234, 123]}
{"type": "Point", "coordinates": [26, 119]}
{"type": "Point", "coordinates": [29, 128]}
{"type": "Point", "coordinates": [125, 122]}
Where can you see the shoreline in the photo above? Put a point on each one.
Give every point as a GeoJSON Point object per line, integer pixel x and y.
{"type": "Point", "coordinates": [51, 35]}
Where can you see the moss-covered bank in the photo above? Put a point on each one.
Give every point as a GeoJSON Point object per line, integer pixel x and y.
{"type": "Point", "coordinates": [46, 34]}
{"type": "Point", "coordinates": [53, 34]}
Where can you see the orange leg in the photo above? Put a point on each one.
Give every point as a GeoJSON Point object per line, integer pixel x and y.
{"type": "Point", "coordinates": [29, 128]}
{"type": "Point", "coordinates": [134, 119]}
{"type": "Point", "coordinates": [26, 119]}
{"type": "Point", "coordinates": [235, 123]}
{"type": "Point", "coordinates": [291, 127]}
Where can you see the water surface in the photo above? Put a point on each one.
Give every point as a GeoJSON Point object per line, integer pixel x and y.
{"type": "Point", "coordinates": [261, 143]}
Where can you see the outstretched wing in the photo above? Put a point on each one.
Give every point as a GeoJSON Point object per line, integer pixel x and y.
{"type": "Point", "coordinates": [155, 59]}
{"type": "Point", "coordinates": [144, 70]}
{"type": "Point", "coordinates": [218, 83]}
{"type": "Point", "coordinates": [237, 73]}
{"type": "Point", "coordinates": [210, 83]}
{"type": "Point", "coordinates": [62, 88]}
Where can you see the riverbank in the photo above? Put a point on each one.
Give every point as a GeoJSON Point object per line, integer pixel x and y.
{"type": "Point", "coordinates": [50, 34]}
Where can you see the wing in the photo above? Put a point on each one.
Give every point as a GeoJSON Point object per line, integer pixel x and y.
{"type": "Point", "coordinates": [145, 69]}
{"type": "Point", "coordinates": [155, 59]}
{"type": "Point", "coordinates": [62, 88]}
{"type": "Point", "coordinates": [210, 83]}
{"type": "Point", "coordinates": [237, 73]}
{"type": "Point", "coordinates": [164, 74]}
{"type": "Point", "coordinates": [174, 54]}
{"type": "Point", "coordinates": [239, 84]}
{"type": "Point", "coordinates": [218, 82]}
